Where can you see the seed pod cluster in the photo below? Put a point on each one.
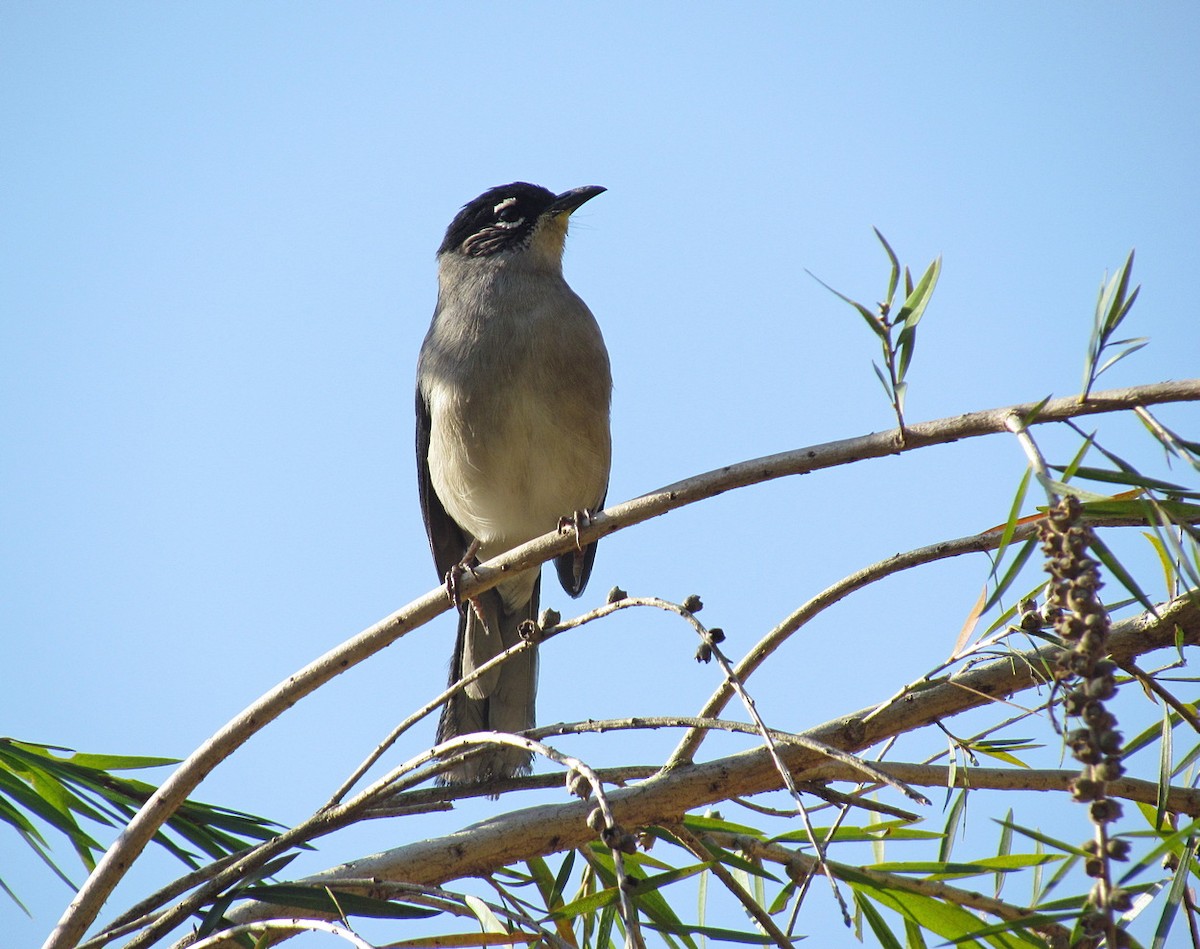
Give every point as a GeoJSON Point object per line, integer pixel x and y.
{"type": "Point", "coordinates": [1088, 679]}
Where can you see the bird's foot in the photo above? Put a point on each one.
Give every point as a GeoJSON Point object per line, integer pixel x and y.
{"type": "Point", "coordinates": [455, 574]}
{"type": "Point", "coordinates": [576, 522]}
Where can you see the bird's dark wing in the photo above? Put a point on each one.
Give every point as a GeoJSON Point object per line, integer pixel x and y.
{"type": "Point", "coordinates": [446, 539]}
{"type": "Point", "coordinates": [574, 568]}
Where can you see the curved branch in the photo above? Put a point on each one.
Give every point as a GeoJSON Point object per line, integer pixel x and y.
{"type": "Point", "coordinates": [84, 908]}
{"type": "Point", "coordinates": [762, 650]}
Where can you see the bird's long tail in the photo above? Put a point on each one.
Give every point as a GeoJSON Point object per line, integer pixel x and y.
{"type": "Point", "coordinates": [503, 699]}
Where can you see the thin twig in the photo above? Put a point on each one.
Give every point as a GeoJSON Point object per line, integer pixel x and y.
{"type": "Point", "coordinates": [786, 774]}
{"type": "Point", "coordinates": [721, 872]}
{"type": "Point", "coordinates": [685, 752]}
{"type": "Point", "coordinates": [1019, 426]}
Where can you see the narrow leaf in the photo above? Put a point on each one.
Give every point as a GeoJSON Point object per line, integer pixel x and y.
{"type": "Point", "coordinates": [895, 261]}
{"type": "Point", "coordinates": [725, 935]}
{"type": "Point", "coordinates": [1004, 850]}
{"type": "Point", "coordinates": [1105, 556]}
{"type": "Point", "coordinates": [953, 819]}
{"type": "Point", "coordinates": [872, 319]}
{"type": "Point", "coordinates": [1164, 769]}
{"type": "Point", "coordinates": [1174, 897]}
{"type": "Point", "coordinates": [1012, 572]}
{"type": "Point", "coordinates": [969, 624]}
{"type": "Point", "coordinates": [1044, 838]}
{"type": "Point", "coordinates": [887, 939]}
{"type": "Point", "coordinates": [919, 297]}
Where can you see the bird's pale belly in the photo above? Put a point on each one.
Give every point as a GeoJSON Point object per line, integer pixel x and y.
{"type": "Point", "coordinates": [525, 487]}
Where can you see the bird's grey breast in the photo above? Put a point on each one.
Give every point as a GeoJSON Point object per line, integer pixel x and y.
{"type": "Point", "coordinates": [518, 385]}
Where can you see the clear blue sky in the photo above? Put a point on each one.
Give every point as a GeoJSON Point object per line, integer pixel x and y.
{"type": "Point", "coordinates": [218, 225]}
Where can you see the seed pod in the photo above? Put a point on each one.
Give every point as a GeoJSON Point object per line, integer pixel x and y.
{"type": "Point", "coordinates": [1104, 811]}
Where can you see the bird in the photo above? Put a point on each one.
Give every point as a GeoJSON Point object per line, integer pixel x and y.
{"type": "Point", "coordinates": [514, 388]}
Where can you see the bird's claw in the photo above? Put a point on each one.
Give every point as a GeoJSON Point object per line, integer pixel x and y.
{"type": "Point", "coordinates": [576, 522]}
{"type": "Point", "coordinates": [455, 574]}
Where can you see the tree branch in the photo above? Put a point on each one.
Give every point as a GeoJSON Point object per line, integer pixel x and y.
{"type": "Point", "coordinates": [539, 831]}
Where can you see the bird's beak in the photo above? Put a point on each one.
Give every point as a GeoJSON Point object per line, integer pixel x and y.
{"type": "Point", "coordinates": [570, 201]}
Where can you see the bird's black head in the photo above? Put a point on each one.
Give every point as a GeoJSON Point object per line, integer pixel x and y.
{"type": "Point", "coordinates": [507, 218]}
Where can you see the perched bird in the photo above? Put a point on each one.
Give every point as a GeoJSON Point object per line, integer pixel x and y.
{"type": "Point", "coordinates": [513, 393]}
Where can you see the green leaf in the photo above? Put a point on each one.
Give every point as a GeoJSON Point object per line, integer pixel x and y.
{"type": "Point", "coordinates": [725, 935]}
{"type": "Point", "coordinates": [543, 879]}
{"type": "Point", "coordinates": [1174, 897]}
{"type": "Point", "coordinates": [560, 881]}
{"type": "Point", "coordinates": [1138, 343]}
{"type": "Point", "coordinates": [586, 905]}
{"type": "Point", "coordinates": [872, 319]}
{"type": "Point", "coordinates": [1034, 412]}
{"type": "Point", "coordinates": [1010, 525]}
{"type": "Point", "coordinates": [913, 936]}
{"type": "Point", "coordinates": [895, 262]}
{"type": "Point", "coordinates": [649, 884]}
{"type": "Point", "coordinates": [887, 939]}
{"type": "Point", "coordinates": [1132, 478]}
{"type": "Point", "coordinates": [914, 306]}
{"type": "Point", "coordinates": [955, 816]}
{"type": "Point", "coordinates": [1004, 850]}
{"type": "Point", "coordinates": [885, 830]}
{"type": "Point", "coordinates": [319, 898]}
{"type": "Point", "coordinates": [905, 345]}
{"type": "Point", "coordinates": [1001, 756]}
{"type": "Point", "coordinates": [1174, 843]}
{"type": "Point", "coordinates": [1036, 887]}
{"type": "Point", "coordinates": [1145, 510]}
{"type": "Point", "coordinates": [1044, 838]}
{"type": "Point", "coordinates": [1169, 524]}
{"type": "Point", "coordinates": [1164, 769]}
{"type": "Point", "coordinates": [1020, 928]}
{"type": "Point", "coordinates": [650, 902]}
{"type": "Point", "coordinates": [883, 380]}
{"type": "Point", "coordinates": [1112, 307]}
{"type": "Point", "coordinates": [1006, 581]}
{"type": "Point", "coordinates": [737, 862]}
{"type": "Point", "coordinates": [782, 898]}
{"type": "Point", "coordinates": [1008, 863]}
{"type": "Point", "coordinates": [700, 825]}
{"type": "Point", "coordinates": [608, 918]}
{"type": "Point", "coordinates": [1105, 556]}
{"type": "Point", "coordinates": [944, 919]}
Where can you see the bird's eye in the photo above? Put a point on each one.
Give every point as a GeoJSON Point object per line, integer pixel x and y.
{"type": "Point", "coordinates": [507, 213]}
